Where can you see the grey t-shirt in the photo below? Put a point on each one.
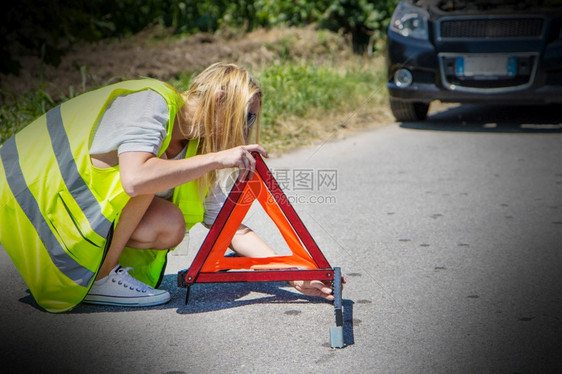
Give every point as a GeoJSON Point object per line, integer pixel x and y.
{"type": "Point", "coordinates": [132, 123]}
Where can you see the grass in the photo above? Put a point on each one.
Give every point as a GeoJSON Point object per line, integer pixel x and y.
{"type": "Point", "coordinates": [304, 101]}
{"type": "Point", "coordinates": [18, 111]}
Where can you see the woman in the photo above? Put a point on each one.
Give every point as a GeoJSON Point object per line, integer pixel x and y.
{"type": "Point", "coordinates": [137, 153]}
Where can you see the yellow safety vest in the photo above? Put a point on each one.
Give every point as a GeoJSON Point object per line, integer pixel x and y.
{"type": "Point", "coordinates": [57, 211]}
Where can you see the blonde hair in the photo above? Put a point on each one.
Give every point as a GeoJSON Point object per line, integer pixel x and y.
{"type": "Point", "coordinates": [218, 100]}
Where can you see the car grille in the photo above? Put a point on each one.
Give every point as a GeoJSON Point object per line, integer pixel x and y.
{"type": "Point", "coordinates": [492, 28]}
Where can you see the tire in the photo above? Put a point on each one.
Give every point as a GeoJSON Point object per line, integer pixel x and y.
{"type": "Point", "coordinates": [407, 111]}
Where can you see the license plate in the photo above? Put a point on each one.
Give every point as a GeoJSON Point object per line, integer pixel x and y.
{"type": "Point", "coordinates": [472, 66]}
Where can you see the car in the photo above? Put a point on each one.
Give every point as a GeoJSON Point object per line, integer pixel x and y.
{"type": "Point", "coordinates": [459, 51]}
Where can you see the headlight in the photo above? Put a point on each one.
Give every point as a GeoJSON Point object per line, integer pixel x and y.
{"type": "Point", "coordinates": [409, 21]}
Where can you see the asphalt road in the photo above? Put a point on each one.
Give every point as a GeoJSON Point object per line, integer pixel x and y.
{"type": "Point", "coordinates": [450, 236]}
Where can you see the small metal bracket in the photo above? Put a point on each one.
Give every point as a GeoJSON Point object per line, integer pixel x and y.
{"type": "Point", "coordinates": [182, 283]}
{"type": "Point", "coordinates": [181, 278]}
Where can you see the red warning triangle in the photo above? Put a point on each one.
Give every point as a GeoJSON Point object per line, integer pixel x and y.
{"type": "Point", "coordinates": [306, 259]}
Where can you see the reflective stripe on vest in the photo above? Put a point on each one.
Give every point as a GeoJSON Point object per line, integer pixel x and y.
{"type": "Point", "coordinates": [72, 178]}
{"type": "Point", "coordinates": [14, 175]}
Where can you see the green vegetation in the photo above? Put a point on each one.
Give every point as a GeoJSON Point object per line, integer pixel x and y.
{"type": "Point", "coordinates": [305, 90]}
{"type": "Point", "coordinates": [314, 92]}
{"type": "Point", "coordinates": [46, 28]}
{"type": "Point", "coordinates": [17, 110]}
{"type": "Point", "coordinates": [302, 101]}
{"type": "Point", "coordinates": [21, 110]}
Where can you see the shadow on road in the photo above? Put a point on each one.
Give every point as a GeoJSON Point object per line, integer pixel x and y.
{"type": "Point", "coordinates": [493, 118]}
{"type": "Point", "coordinates": [212, 297]}
{"type": "Point", "coordinates": [206, 297]}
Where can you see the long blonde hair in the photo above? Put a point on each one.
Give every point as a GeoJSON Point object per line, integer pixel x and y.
{"type": "Point", "coordinates": [219, 98]}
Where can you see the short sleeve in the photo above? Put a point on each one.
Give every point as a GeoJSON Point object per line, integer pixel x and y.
{"type": "Point", "coordinates": [136, 122]}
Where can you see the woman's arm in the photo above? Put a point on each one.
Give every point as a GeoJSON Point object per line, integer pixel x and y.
{"type": "Point", "coordinates": [247, 243]}
{"type": "Point", "coordinates": [143, 173]}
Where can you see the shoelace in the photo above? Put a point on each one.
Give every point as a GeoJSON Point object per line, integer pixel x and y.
{"type": "Point", "coordinates": [127, 281]}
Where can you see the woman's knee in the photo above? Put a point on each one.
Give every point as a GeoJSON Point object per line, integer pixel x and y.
{"type": "Point", "coordinates": [162, 227]}
{"type": "Point", "coordinates": [174, 232]}
{"type": "Point", "coordinates": [171, 227]}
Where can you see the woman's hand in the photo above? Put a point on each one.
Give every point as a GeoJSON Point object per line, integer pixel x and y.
{"type": "Point", "coordinates": [241, 158]}
{"type": "Point", "coordinates": [313, 288]}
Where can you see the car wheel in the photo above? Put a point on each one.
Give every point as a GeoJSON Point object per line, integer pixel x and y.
{"type": "Point", "coordinates": [406, 111]}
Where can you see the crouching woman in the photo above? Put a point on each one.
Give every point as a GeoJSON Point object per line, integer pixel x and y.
{"type": "Point", "coordinates": [94, 192]}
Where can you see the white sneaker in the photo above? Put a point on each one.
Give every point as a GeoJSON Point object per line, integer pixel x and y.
{"type": "Point", "coordinates": [120, 288]}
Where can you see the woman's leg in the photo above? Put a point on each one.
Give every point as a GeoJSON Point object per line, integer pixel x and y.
{"type": "Point", "coordinates": [162, 227]}
{"type": "Point", "coordinates": [146, 222]}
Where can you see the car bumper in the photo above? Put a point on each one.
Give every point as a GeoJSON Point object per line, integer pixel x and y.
{"type": "Point", "coordinates": [432, 81]}
{"type": "Point", "coordinates": [427, 92]}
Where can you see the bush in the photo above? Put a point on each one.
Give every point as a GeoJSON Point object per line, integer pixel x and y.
{"type": "Point", "coordinates": [47, 28]}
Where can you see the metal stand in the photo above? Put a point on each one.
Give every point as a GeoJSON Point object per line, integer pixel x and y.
{"type": "Point", "coordinates": [336, 333]}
